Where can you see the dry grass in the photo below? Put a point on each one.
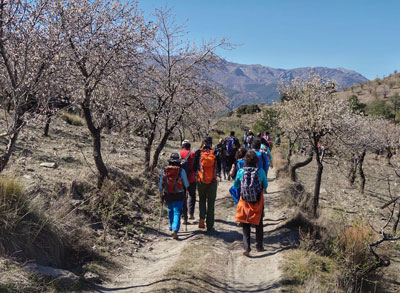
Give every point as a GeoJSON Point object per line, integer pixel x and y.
{"type": "Point", "coordinates": [304, 270]}
{"type": "Point", "coordinates": [72, 119]}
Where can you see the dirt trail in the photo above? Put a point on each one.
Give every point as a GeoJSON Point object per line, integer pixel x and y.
{"type": "Point", "coordinates": [199, 262]}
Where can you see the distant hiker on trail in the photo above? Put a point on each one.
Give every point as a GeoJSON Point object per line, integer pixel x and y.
{"type": "Point", "coordinates": [264, 148]}
{"type": "Point", "coordinates": [232, 146]}
{"type": "Point", "coordinates": [244, 138]}
{"type": "Point", "coordinates": [235, 192]}
{"type": "Point", "coordinates": [173, 181]}
{"type": "Point", "coordinates": [268, 138]}
{"type": "Point", "coordinates": [221, 148]}
{"type": "Point", "coordinates": [252, 182]}
{"type": "Point", "coordinates": [278, 140]}
{"type": "Point", "coordinates": [187, 163]}
{"type": "Point", "coordinates": [206, 164]}
{"type": "Point", "coordinates": [263, 162]}
{"type": "Point", "coordinates": [250, 139]}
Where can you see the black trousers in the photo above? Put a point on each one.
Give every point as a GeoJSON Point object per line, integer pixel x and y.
{"type": "Point", "coordinates": [190, 201]}
{"type": "Point", "coordinates": [259, 235]}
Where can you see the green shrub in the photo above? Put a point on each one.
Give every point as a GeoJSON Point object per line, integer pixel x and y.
{"type": "Point", "coordinates": [268, 122]}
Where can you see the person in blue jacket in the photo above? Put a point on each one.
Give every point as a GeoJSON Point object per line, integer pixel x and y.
{"type": "Point", "coordinates": [175, 198]}
{"type": "Point", "coordinates": [263, 161]}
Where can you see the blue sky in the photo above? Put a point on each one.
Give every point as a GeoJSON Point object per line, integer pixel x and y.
{"type": "Point", "coordinates": [361, 35]}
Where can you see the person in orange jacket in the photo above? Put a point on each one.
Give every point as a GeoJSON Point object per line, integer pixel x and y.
{"type": "Point", "coordinates": [252, 182]}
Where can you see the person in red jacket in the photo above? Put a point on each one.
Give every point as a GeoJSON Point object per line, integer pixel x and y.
{"type": "Point", "coordinates": [190, 200]}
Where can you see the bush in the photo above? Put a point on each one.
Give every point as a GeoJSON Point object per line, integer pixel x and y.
{"type": "Point", "coordinates": [268, 122]}
{"type": "Point", "coordinates": [248, 109]}
{"type": "Point", "coordinates": [72, 119]}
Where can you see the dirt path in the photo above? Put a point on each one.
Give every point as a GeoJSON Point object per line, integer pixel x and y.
{"type": "Point", "coordinates": [198, 262]}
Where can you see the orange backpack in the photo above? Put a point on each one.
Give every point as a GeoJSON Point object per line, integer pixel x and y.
{"type": "Point", "coordinates": [172, 181]}
{"type": "Point", "coordinates": [208, 164]}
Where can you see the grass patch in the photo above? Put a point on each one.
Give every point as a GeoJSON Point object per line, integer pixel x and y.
{"type": "Point", "coordinates": [310, 270]}
{"type": "Point", "coordinates": [72, 119]}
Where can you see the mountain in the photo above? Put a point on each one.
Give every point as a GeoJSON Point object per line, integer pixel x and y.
{"type": "Point", "coordinates": [255, 84]}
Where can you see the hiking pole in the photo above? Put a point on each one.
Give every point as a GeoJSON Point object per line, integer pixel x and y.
{"type": "Point", "coordinates": [159, 220]}
{"type": "Point", "coordinates": [186, 209]}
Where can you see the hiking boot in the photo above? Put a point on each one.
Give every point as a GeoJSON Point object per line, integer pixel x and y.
{"type": "Point", "coordinates": [246, 253]}
{"type": "Point", "coordinates": [212, 232]}
{"type": "Point", "coordinates": [174, 235]}
{"type": "Point", "coordinates": [191, 217]}
{"type": "Point", "coordinates": [260, 249]}
{"type": "Point", "coordinates": [201, 224]}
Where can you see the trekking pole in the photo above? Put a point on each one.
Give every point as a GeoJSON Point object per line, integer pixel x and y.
{"type": "Point", "coordinates": [186, 209]}
{"type": "Point", "coordinates": [159, 220]}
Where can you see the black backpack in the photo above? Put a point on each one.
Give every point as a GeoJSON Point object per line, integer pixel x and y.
{"type": "Point", "coordinates": [185, 164]}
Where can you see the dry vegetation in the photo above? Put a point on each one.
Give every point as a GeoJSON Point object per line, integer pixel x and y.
{"type": "Point", "coordinates": [333, 255]}
{"type": "Point", "coordinates": [57, 217]}
{"type": "Point", "coordinates": [374, 89]}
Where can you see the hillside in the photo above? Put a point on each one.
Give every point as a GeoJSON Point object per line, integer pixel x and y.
{"type": "Point", "coordinates": [376, 89]}
{"type": "Point", "coordinates": [256, 84]}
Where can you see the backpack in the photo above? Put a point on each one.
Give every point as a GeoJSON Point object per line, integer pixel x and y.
{"type": "Point", "coordinates": [250, 139]}
{"type": "Point", "coordinates": [185, 164]}
{"type": "Point", "coordinates": [250, 185]}
{"type": "Point", "coordinates": [208, 164]}
{"type": "Point", "coordinates": [230, 141]}
{"type": "Point", "coordinates": [172, 182]}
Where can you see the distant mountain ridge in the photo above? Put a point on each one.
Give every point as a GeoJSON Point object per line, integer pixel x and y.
{"type": "Point", "coordinates": [255, 84]}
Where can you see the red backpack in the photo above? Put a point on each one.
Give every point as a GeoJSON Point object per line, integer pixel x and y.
{"type": "Point", "coordinates": [208, 164]}
{"type": "Point", "coordinates": [172, 181]}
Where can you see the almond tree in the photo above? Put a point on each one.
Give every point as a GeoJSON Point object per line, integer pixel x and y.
{"type": "Point", "coordinates": [312, 111]}
{"type": "Point", "coordinates": [29, 47]}
{"type": "Point", "coordinates": [172, 85]}
{"type": "Point", "coordinates": [102, 37]}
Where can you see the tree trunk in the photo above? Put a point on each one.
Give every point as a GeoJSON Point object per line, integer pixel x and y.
{"type": "Point", "coordinates": [299, 165]}
{"type": "Point", "coordinates": [318, 178]}
{"type": "Point", "coordinates": [10, 146]}
{"type": "Point", "coordinates": [389, 156]}
{"type": "Point", "coordinates": [147, 149]}
{"type": "Point", "coordinates": [96, 135]}
{"type": "Point", "coordinates": [361, 171]}
{"type": "Point", "coordinates": [47, 126]}
{"type": "Point", "coordinates": [158, 150]}
{"type": "Point", "coordinates": [353, 171]}
{"type": "Point", "coordinates": [396, 223]}
{"type": "Point", "coordinates": [290, 152]}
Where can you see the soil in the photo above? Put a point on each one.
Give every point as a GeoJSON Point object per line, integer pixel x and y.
{"type": "Point", "coordinates": [199, 262]}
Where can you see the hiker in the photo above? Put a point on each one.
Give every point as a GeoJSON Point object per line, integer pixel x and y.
{"type": "Point", "coordinates": [264, 148]}
{"type": "Point", "coordinates": [278, 140]}
{"type": "Point", "coordinates": [206, 164]}
{"type": "Point", "coordinates": [173, 181]}
{"type": "Point", "coordinates": [221, 149]}
{"type": "Point", "coordinates": [244, 138]}
{"type": "Point", "coordinates": [239, 162]}
{"type": "Point", "coordinates": [263, 162]}
{"type": "Point", "coordinates": [252, 182]}
{"type": "Point", "coordinates": [268, 138]}
{"type": "Point", "coordinates": [250, 138]}
{"type": "Point", "coordinates": [187, 163]}
{"type": "Point", "coordinates": [232, 146]}
{"type": "Point", "coordinates": [235, 192]}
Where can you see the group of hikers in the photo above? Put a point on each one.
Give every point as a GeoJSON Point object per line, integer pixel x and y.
{"type": "Point", "coordinates": [246, 164]}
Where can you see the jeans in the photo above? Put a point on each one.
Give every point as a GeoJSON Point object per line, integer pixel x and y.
{"type": "Point", "coordinates": [174, 215]}
{"type": "Point", "coordinates": [207, 196]}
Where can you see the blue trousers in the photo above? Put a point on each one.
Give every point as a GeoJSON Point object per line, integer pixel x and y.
{"type": "Point", "coordinates": [174, 215]}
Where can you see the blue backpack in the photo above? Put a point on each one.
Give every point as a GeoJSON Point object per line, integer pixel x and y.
{"type": "Point", "coordinates": [229, 144]}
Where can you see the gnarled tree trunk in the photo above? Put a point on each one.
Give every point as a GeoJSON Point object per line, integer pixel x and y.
{"type": "Point", "coordinates": [10, 146]}
{"type": "Point", "coordinates": [361, 171]}
{"type": "Point", "coordinates": [299, 165]}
